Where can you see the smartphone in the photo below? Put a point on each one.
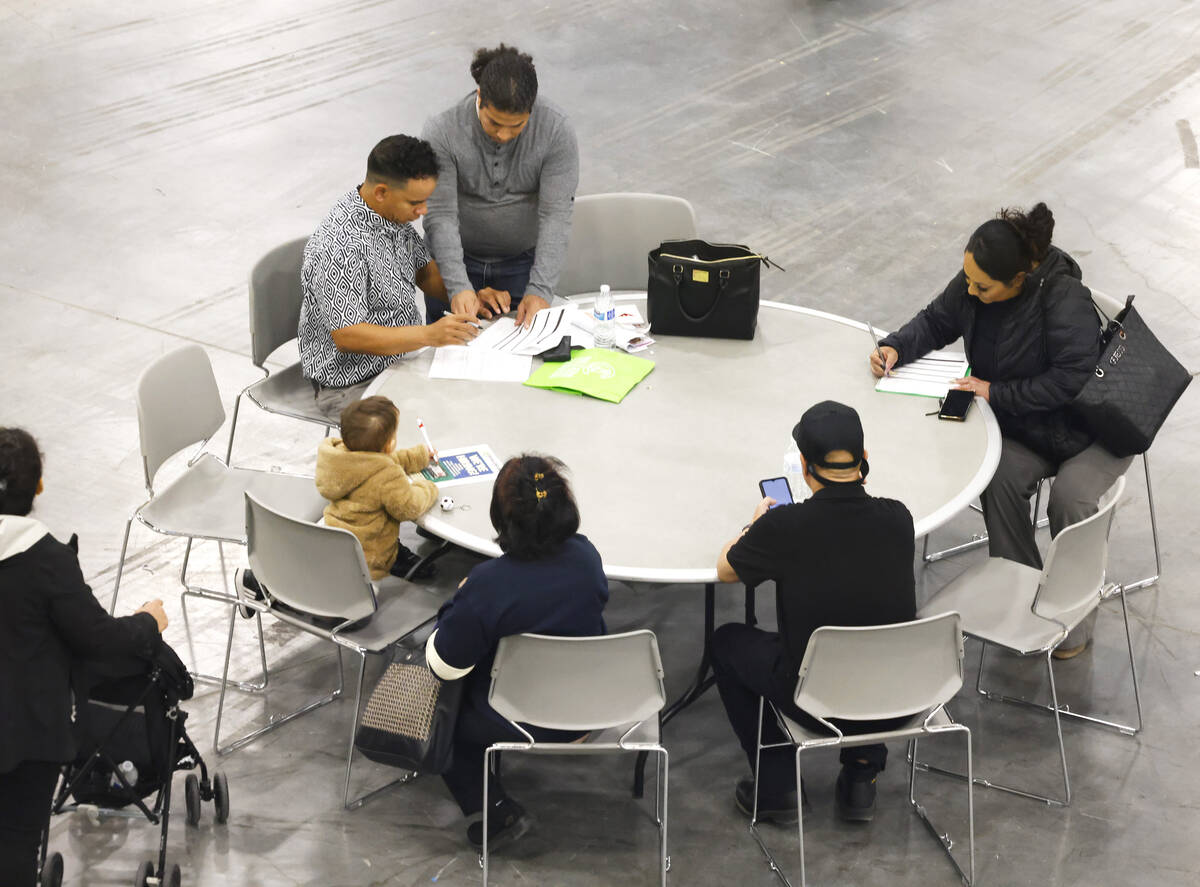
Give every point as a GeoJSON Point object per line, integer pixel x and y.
{"type": "Point", "coordinates": [955, 405]}
{"type": "Point", "coordinates": [778, 489]}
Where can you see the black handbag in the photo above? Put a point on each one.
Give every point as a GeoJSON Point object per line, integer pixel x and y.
{"type": "Point", "coordinates": [1134, 386]}
{"type": "Point", "coordinates": [696, 288]}
{"type": "Point", "coordinates": [409, 719]}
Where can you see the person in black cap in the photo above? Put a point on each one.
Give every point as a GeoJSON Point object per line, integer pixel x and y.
{"type": "Point", "coordinates": [840, 558]}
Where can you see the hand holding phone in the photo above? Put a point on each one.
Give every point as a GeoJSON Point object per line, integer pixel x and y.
{"type": "Point", "coordinates": [778, 489]}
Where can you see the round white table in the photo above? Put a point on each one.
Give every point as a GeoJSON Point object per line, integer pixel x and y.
{"type": "Point", "coordinates": [667, 476]}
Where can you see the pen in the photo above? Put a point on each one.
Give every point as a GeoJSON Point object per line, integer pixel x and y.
{"type": "Point", "coordinates": [878, 350]}
{"type": "Point", "coordinates": [425, 434]}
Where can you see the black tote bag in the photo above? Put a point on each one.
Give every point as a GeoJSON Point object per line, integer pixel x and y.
{"type": "Point", "coordinates": [696, 288]}
{"type": "Point", "coordinates": [1134, 386]}
{"type": "Point", "coordinates": [409, 720]}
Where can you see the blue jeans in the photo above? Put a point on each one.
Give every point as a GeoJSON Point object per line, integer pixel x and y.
{"type": "Point", "coordinates": [510, 274]}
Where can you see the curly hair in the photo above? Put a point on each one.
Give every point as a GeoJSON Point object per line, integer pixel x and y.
{"type": "Point", "coordinates": [20, 471]}
{"type": "Point", "coordinates": [399, 158]}
{"type": "Point", "coordinates": [1005, 246]}
{"type": "Point", "coordinates": [506, 78]}
{"type": "Point", "coordinates": [533, 509]}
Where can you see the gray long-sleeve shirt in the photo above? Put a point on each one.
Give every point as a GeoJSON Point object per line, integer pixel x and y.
{"type": "Point", "coordinates": [497, 201]}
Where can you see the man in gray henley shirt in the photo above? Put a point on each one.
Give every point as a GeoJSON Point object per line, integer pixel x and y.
{"type": "Point", "coordinates": [499, 224]}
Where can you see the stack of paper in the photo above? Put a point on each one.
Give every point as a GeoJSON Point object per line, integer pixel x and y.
{"type": "Point", "coordinates": [931, 376]}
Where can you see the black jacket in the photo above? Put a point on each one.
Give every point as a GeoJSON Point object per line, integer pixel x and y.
{"type": "Point", "coordinates": [48, 619]}
{"type": "Point", "coordinates": [1046, 349]}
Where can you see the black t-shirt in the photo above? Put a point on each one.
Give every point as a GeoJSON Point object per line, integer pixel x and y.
{"type": "Point", "coordinates": [561, 595]}
{"type": "Point", "coordinates": [840, 558]}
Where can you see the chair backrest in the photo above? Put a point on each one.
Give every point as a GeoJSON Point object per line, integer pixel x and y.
{"type": "Point", "coordinates": [867, 673]}
{"type": "Point", "coordinates": [584, 683]}
{"type": "Point", "coordinates": [310, 567]}
{"type": "Point", "coordinates": [275, 299]}
{"type": "Point", "coordinates": [178, 404]}
{"type": "Point", "coordinates": [611, 235]}
{"type": "Point", "coordinates": [1075, 565]}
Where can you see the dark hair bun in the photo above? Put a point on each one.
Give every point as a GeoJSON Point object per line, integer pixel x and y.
{"type": "Point", "coordinates": [1036, 228]}
{"type": "Point", "coordinates": [506, 78]}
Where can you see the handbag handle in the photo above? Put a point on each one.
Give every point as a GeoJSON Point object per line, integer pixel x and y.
{"type": "Point", "coordinates": [722, 280]}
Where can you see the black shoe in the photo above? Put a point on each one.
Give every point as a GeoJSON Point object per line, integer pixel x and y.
{"type": "Point", "coordinates": [506, 822]}
{"type": "Point", "coordinates": [406, 559]}
{"type": "Point", "coordinates": [779, 809]}
{"type": "Point", "coordinates": [856, 794]}
{"type": "Point", "coordinates": [247, 587]}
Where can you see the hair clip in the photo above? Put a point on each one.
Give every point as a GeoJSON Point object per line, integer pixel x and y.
{"type": "Point", "coordinates": [541, 494]}
{"type": "Point", "coordinates": [539, 476]}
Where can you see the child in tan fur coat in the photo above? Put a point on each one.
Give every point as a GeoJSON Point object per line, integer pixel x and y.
{"type": "Point", "coordinates": [365, 479]}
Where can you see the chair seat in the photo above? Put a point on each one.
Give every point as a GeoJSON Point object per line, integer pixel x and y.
{"type": "Point", "coordinates": [207, 500]}
{"type": "Point", "coordinates": [288, 393]}
{"type": "Point", "coordinates": [402, 609]}
{"type": "Point", "coordinates": [995, 598]}
{"type": "Point", "coordinates": [601, 741]}
{"type": "Point", "coordinates": [801, 735]}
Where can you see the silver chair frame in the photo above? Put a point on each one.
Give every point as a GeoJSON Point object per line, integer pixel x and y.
{"type": "Point", "coordinates": [622, 744]}
{"type": "Point", "coordinates": [189, 590]}
{"type": "Point", "coordinates": [1059, 711]}
{"type": "Point", "coordinates": [980, 539]}
{"type": "Point", "coordinates": [277, 721]}
{"type": "Point", "coordinates": [840, 740]}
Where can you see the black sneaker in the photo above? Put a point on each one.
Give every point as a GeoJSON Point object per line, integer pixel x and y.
{"type": "Point", "coordinates": [247, 587]}
{"type": "Point", "coordinates": [856, 794]}
{"type": "Point", "coordinates": [506, 822]}
{"type": "Point", "coordinates": [406, 559]}
{"type": "Point", "coordinates": [780, 810]}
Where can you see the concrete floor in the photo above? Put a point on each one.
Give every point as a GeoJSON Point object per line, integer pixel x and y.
{"type": "Point", "coordinates": [151, 152]}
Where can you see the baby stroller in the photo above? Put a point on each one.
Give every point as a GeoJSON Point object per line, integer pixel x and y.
{"type": "Point", "coordinates": [131, 739]}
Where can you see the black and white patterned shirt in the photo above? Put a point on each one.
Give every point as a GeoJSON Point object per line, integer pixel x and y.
{"type": "Point", "coordinates": [358, 268]}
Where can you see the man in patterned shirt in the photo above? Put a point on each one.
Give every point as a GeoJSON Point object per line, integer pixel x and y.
{"type": "Point", "coordinates": [362, 268]}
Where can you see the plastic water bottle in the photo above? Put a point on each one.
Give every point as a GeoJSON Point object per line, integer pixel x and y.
{"type": "Point", "coordinates": [604, 315]}
{"type": "Point", "coordinates": [129, 771]}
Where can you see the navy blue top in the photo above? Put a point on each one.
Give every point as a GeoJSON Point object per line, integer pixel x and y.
{"type": "Point", "coordinates": [561, 595]}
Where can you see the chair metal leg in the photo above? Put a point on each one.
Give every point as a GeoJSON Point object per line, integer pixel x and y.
{"type": "Point", "coordinates": [943, 838]}
{"type": "Point", "coordinates": [978, 540]}
{"type": "Point", "coordinates": [663, 785]}
{"type": "Point", "coordinates": [237, 406]}
{"type": "Point", "coordinates": [758, 747]}
{"type": "Point", "coordinates": [275, 720]}
{"type": "Point", "coordinates": [112, 605]}
{"type": "Point", "coordinates": [209, 595]}
{"type": "Point", "coordinates": [358, 702]}
{"type": "Point", "coordinates": [1149, 580]}
{"type": "Point", "coordinates": [483, 852]}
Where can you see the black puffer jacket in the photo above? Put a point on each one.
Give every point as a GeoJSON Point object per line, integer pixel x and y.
{"type": "Point", "coordinates": [1046, 349]}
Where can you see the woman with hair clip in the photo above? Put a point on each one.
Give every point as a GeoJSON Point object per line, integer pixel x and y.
{"type": "Point", "coordinates": [550, 580]}
{"type": "Point", "coordinates": [1032, 338]}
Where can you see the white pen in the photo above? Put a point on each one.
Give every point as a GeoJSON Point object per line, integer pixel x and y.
{"type": "Point", "coordinates": [878, 350]}
{"type": "Point", "coordinates": [425, 434]}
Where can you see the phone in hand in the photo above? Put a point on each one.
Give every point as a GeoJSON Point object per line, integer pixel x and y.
{"type": "Point", "coordinates": [955, 405]}
{"type": "Point", "coordinates": [778, 489]}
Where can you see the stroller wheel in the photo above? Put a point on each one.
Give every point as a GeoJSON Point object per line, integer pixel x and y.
{"type": "Point", "coordinates": [52, 871]}
{"type": "Point", "coordinates": [144, 873]}
{"type": "Point", "coordinates": [176, 876]}
{"type": "Point", "coordinates": [220, 798]}
{"type": "Point", "coordinates": [191, 795]}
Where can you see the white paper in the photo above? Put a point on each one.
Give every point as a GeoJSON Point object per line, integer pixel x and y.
{"type": "Point", "coordinates": [931, 376]}
{"type": "Point", "coordinates": [479, 365]}
{"type": "Point", "coordinates": [548, 327]}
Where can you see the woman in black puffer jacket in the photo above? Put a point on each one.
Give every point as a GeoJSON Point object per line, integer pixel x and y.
{"type": "Point", "coordinates": [1032, 337]}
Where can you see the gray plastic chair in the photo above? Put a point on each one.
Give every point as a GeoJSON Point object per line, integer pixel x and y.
{"type": "Point", "coordinates": [611, 235]}
{"type": "Point", "coordinates": [275, 299]}
{"type": "Point", "coordinates": [178, 405]}
{"type": "Point", "coordinates": [611, 685]}
{"type": "Point", "coordinates": [1030, 612]}
{"type": "Point", "coordinates": [907, 670]}
{"type": "Point", "coordinates": [308, 572]}
{"type": "Point", "coordinates": [1110, 307]}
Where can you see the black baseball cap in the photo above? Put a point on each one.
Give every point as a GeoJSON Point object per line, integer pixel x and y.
{"type": "Point", "coordinates": [829, 426]}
